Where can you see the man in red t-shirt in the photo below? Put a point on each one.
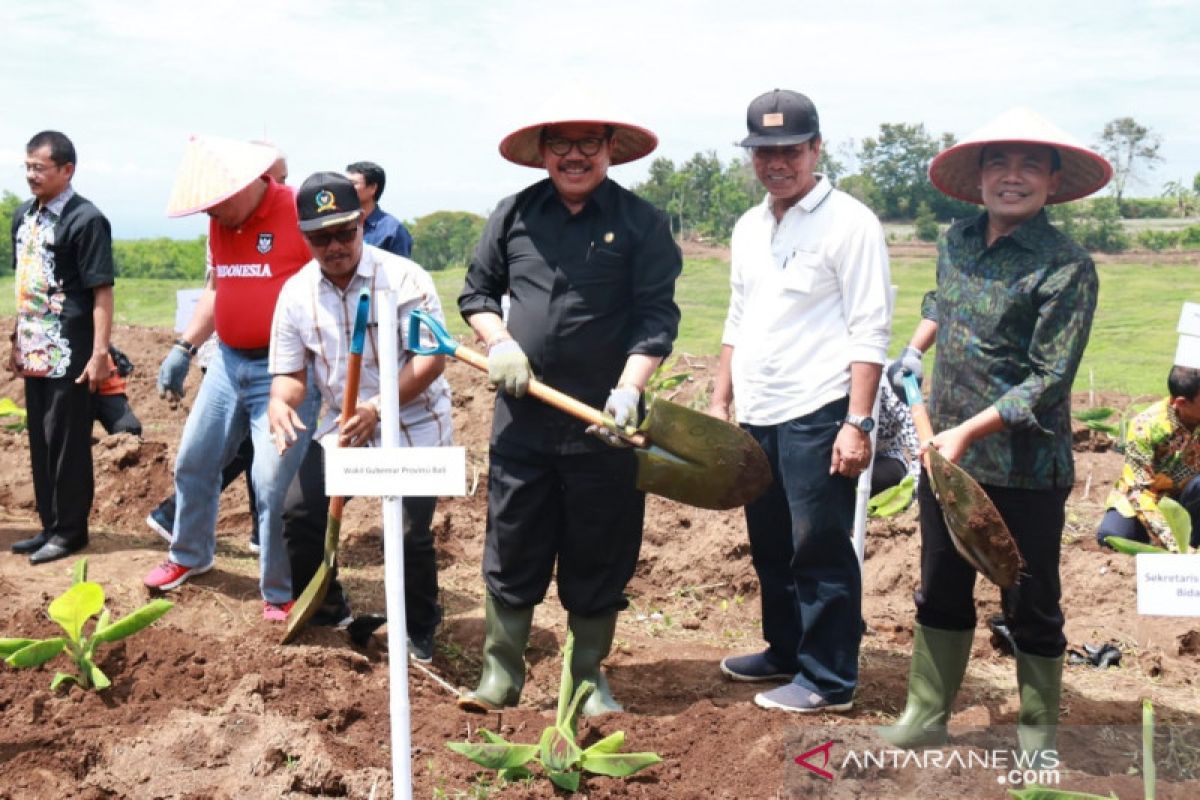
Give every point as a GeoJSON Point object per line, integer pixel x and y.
{"type": "Point", "coordinates": [254, 246]}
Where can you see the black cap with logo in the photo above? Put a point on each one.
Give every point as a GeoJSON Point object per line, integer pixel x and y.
{"type": "Point", "coordinates": [326, 199]}
{"type": "Point", "coordinates": [780, 118]}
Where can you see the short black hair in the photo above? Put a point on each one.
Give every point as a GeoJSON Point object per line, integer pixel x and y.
{"type": "Point", "coordinates": [372, 173]}
{"type": "Point", "coordinates": [1055, 157]}
{"type": "Point", "coordinates": [1184, 382]}
{"type": "Point", "coordinates": [62, 152]}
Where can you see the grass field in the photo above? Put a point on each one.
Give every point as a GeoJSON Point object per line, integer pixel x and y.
{"type": "Point", "coordinates": [1130, 351]}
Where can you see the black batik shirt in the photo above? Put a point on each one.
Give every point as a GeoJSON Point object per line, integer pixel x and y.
{"type": "Point", "coordinates": [1013, 321]}
{"type": "Point", "coordinates": [586, 291]}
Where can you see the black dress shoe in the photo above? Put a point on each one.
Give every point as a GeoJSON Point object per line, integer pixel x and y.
{"type": "Point", "coordinates": [30, 545]}
{"type": "Point", "coordinates": [53, 551]}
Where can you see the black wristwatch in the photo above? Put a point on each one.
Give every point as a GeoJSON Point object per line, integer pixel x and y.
{"type": "Point", "coordinates": [864, 424]}
{"type": "Point", "coordinates": [186, 346]}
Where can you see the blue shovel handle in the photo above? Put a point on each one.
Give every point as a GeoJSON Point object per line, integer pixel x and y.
{"type": "Point", "coordinates": [913, 390]}
{"type": "Point", "coordinates": [445, 343]}
{"type": "Point", "coordinates": [363, 312]}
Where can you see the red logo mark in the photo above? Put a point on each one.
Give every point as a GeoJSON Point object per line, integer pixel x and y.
{"type": "Point", "coordinates": [802, 760]}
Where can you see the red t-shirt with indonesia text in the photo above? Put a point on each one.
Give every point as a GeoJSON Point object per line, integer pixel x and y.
{"type": "Point", "coordinates": [250, 265]}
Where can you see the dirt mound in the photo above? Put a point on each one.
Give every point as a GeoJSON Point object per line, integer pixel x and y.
{"type": "Point", "coordinates": [207, 704]}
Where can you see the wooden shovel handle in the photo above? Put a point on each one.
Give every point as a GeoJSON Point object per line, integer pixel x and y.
{"type": "Point", "coordinates": [550, 396]}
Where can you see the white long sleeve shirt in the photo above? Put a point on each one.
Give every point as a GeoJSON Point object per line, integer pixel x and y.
{"type": "Point", "coordinates": [809, 295]}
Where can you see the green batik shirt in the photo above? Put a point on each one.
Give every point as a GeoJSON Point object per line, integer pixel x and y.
{"type": "Point", "coordinates": [1013, 320]}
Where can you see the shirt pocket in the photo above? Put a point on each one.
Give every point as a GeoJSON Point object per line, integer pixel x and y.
{"type": "Point", "coordinates": [800, 272]}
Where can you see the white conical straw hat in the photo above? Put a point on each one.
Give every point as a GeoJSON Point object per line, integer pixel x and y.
{"type": "Point", "coordinates": [955, 170]}
{"type": "Point", "coordinates": [214, 169]}
{"type": "Point", "coordinates": [579, 104]}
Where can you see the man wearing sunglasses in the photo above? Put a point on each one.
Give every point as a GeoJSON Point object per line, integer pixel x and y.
{"type": "Point", "coordinates": [590, 271]}
{"type": "Point", "coordinates": [314, 317]}
{"type": "Point", "coordinates": [254, 247]}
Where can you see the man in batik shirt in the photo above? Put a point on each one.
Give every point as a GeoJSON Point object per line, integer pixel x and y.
{"type": "Point", "coordinates": [62, 253]}
{"type": "Point", "coordinates": [1011, 314]}
{"type": "Point", "coordinates": [1162, 459]}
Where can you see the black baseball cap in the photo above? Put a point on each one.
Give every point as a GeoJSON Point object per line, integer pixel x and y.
{"type": "Point", "coordinates": [780, 118]}
{"type": "Point", "coordinates": [326, 199]}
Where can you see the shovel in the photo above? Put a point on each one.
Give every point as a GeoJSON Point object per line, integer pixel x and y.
{"type": "Point", "coordinates": [682, 454]}
{"type": "Point", "coordinates": [976, 527]}
{"type": "Point", "coordinates": [314, 594]}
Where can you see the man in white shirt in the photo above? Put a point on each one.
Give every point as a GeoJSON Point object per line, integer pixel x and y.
{"type": "Point", "coordinates": [804, 343]}
{"type": "Point", "coordinates": [314, 317]}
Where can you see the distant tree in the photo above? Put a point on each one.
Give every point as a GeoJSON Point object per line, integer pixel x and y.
{"type": "Point", "coordinates": [926, 227]}
{"type": "Point", "coordinates": [1130, 148]}
{"type": "Point", "coordinates": [8, 207]}
{"type": "Point", "coordinates": [896, 162]}
{"type": "Point", "coordinates": [445, 238]}
{"type": "Point", "coordinates": [160, 258]}
{"type": "Point", "coordinates": [702, 198]}
{"type": "Point", "coordinates": [1196, 183]}
{"type": "Point", "coordinates": [1185, 198]}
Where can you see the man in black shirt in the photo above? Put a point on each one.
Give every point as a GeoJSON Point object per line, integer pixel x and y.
{"type": "Point", "coordinates": [590, 272]}
{"type": "Point", "coordinates": [62, 254]}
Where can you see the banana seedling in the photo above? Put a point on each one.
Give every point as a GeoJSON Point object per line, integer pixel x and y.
{"type": "Point", "coordinates": [1178, 520]}
{"type": "Point", "coordinates": [561, 759]}
{"type": "Point", "coordinates": [71, 610]}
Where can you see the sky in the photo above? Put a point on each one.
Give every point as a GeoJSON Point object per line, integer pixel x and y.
{"type": "Point", "coordinates": [428, 89]}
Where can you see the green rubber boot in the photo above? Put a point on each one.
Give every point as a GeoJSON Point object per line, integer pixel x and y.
{"type": "Point", "coordinates": [1040, 682]}
{"type": "Point", "coordinates": [939, 660]}
{"type": "Point", "coordinates": [593, 641]}
{"type": "Point", "coordinates": [503, 677]}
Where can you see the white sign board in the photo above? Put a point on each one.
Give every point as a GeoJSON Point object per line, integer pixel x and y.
{"type": "Point", "coordinates": [185, 304]}
{"type": "Point", "coordinates": [395, 471]}
{"type": "Point", "coordinates": [1168, 584]}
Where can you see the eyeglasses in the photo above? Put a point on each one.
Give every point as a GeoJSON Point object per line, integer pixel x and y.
{"type": "Point", "coordinates": [588, 146]}
{"type": "Point", "coordinates": [38, 169]}
{"type": "Point", "coordinates": [786, 152]}
{"type": "Point", "coordinates": [343, 236]}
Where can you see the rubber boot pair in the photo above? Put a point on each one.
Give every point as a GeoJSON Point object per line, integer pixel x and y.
{"type": "Point", "coordinates": [939, 661]}
{"type": "Point", "coordinates": [1039, 680]}
{"type": "Point", "coordinates": [506, 634]}
{"type": "Point", "coordinates": [593, 642]}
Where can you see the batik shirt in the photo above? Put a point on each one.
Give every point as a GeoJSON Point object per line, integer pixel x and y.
{"type": "Point", "coordinates": [1013, 320]}
{"type": "Point", "coordinates": [61, 251]}
{"type": "Point", "coordinates": [1161, 456]}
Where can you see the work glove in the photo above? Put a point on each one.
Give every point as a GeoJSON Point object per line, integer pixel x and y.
{"type": "Point", "coordinates": [173, 372]}
{"type": "Point", "coordinates": [508, 368]}
{"type": "Point", "coordinates": [909, 363]}
{"type": "Point", "coordinates": [622, 406]}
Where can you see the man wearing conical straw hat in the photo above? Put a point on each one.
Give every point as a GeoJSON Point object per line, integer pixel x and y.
{"type": "Point", "coordinates": [1010, 317]}
{"type": "Point", "coordinates": [590, 270]}
{"type": "Point", "coordinates": [254, 245]}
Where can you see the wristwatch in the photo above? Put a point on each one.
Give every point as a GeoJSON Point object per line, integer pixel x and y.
{"type": "Point", "coordinates": [864, 424]}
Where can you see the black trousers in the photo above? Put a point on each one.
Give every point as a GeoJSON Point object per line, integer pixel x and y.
{"type": "Point", "coordinates": [60, 452]}
{"type": "Point", "coordinates": [582, 511]}
{"type": "Point", "coordinates": [886, 472]}
{"type": "Point", "coordinates": [1035, 517]}
{"type": "Point", "coordinates": [115, 414]}
{"type": "Point", "coordinates": [306, 514]}
{"type": "Point", "coordinates": [1113, 524]}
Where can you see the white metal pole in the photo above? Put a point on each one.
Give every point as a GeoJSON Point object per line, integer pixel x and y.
{"type": "Point", "coordinates": [393, 553]}
{"type": "Point", "coordinates": [863, 492]}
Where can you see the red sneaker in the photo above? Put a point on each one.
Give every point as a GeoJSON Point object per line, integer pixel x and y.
{"type": "Point", "coordinates": [277, 613]}
{"type": "Point", "coordinates": [168, 575]}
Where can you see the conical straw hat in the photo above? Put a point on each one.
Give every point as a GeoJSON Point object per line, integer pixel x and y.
{"type": "Point", "coordinates": [214, 169]}
{"type": "Point", "coordinates": [955, 170]}
{"type": "Point", "coordinates": [580, 105]}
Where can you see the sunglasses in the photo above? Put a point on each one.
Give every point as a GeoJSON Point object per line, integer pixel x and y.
{"type": "Point", "coordinates": [560, 145]}
{"type": "Point", "coordinates": [344, 236]}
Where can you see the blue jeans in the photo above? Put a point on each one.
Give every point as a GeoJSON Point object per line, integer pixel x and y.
{"type": "Point", "coordinates": [233, 399]}
{"type": "Point", "coordinates": [801, 549]}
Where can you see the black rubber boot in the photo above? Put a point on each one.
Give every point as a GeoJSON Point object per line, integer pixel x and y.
{"type": "Point", "coordinates": [503, 677]}
{"type": "Point", "coordinates": [593, 641]}
{"type": "Point", "coordinates": [939, 661]}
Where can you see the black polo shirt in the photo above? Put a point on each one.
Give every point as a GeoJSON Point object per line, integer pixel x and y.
{"type": "Point", "coordinates": [586, 291]}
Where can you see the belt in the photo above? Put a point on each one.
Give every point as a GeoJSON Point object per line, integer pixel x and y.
{"type": "Point", "coordinates": [253, 353]}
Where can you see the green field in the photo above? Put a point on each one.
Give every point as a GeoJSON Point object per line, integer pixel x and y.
{"type": "Point", "coordinates": [1131, 348]}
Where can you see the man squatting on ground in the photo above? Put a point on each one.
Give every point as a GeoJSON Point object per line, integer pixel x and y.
{"type": "Point", "coordinates": [62, 254]}
{"type": "Point", "coordinates": [1162, 459]}
{"type": "Point", "coordinates": [255, 246]}
{"type": "Point", "coordinates": [314, 319]}
{"type": "Point", "coordinates": [804, 344]}
{"type": "Point", "coordinates": [590, 269]}
{"type": "Point", "coordinates": [1011, 314]}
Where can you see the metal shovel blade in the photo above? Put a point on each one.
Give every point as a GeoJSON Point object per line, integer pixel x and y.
{"type": "Point", "coordinates": [313, 596]}
{"type": "Point", "coordinates": [699, 460]}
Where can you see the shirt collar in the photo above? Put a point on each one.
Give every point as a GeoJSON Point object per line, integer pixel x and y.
{"type": "Point", "coordinates": [808, 203]}
{"type": "Point", "coordinates": [601, 197]}
{"type": "Point", "coordinates": [374, 217]}
{"type": "Point", "coordinates": [1028, 235]}
{"type": "Point", "coordinates": [57, 205]}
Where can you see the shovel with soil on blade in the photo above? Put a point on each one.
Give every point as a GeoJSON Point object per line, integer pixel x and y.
{"type": "Point", "coordinates": [976, 528]}
{"type": "Point", "coordinates": [682, 454]}
{"type": "Point", "coordinates": [314, 594]}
